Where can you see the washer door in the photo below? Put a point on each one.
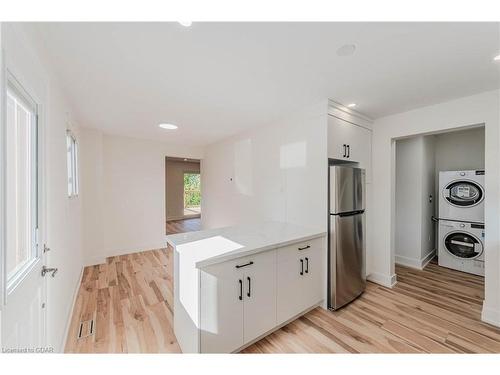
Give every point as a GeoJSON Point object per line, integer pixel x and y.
{"type": "Point", "coordinates": [463, 193]}
{"type": "Point", "coordinates": [463, 245]}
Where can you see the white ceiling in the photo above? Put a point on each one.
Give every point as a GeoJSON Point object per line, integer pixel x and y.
{"type": "Point", "coordinates": [217, 79]}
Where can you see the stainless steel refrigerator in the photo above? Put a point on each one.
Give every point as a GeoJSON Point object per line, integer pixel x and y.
{"type": "Point", "coordinates": [346, 235]}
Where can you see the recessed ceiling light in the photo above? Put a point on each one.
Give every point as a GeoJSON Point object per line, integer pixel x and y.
{"type": "Point", "coordinates": [168, 126]}
{"type": "Point", "coordinates": [496, 58]}
{"type": "Point", "coordinates": [186, 23]}
{"type": "Point", "coordinates": [352, 105]}
{"type": "Point", "coordinates": [346, 50]}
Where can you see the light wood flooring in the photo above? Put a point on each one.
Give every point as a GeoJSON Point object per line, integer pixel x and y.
{"type": "Point", "coordinates": [436, 310]}
{"type": "Point", "coordinates": [185, 225]}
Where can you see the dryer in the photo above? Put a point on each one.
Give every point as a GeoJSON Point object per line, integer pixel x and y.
{"type": "Point", "coordinates": [461, 195]}
{"type": "Point", "coordinates": [461, 246]}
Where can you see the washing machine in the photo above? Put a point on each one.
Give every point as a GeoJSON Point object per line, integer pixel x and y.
{"type": "Point", "coordinates": [461, 195]}
{"type": "Point", "coordinates": [461, 246]}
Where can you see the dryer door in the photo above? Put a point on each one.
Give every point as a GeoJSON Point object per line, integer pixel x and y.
{"type": "Point", "coordinates": [463, 193]}
{"type": "Point", "coordinates": [463, 245]}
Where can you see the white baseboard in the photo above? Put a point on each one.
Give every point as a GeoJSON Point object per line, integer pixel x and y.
{"type": "Point", "coordinates": [191, 216]}
{"type": "Point", "coordinates": [71, 310]}
{"type": "Point", "coordinates": [490, 315]}
{"type": "Point", "coordinates": [418, 264]}
{"type": "Point", "coordinates": [385, 280]}
{"type": "Point", "coordinates": [101, 258]}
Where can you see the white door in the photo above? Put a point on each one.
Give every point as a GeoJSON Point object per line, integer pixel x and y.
{"type": "Point", "coordinates": [221, 307]}
{"type": "Point", "coordinates": [23, 315]}
{"type": "Point", "coordinates": [289, 274]}
{"type": "Point", "coordinates": [312, 282]}
{"type": "Point", "coordinates": [260, 295]}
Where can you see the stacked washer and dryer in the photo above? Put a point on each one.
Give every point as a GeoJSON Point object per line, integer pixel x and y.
{"type": "Point", "coordinates": [461, 221]}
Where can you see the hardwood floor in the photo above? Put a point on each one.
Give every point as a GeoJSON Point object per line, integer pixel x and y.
{"type": "Point", "coordinates": [185, 225]}
{"type": "Point", "coordinates": [436, 310]}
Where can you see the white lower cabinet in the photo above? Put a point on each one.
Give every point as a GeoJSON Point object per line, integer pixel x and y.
{"type": "Point", "coordinates": [242, 299]}
{"type": "Point", "coordinates": [237, 302]}
{"type": "Point", "coordinates": [299, 281]}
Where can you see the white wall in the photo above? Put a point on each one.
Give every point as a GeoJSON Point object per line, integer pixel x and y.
{"type": "Point", "coordinates": [476, 109]}
{"type": "Point", "coordinates": [277, 172]}
{"type": "Point", "coordinates": [123, 193]}
{"type": "Point", "coordinates": [61, 222]}
{"type": "Point", "coordinates": [174, 172]}
{"type": "Point", "coordinates": [460, 150]}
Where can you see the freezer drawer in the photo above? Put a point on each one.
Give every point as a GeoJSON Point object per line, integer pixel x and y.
{"type": "Point", "coordinates": [346, 259]}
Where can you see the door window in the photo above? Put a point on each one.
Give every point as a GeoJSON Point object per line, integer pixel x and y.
{"type": "Point", "coordinates": [463, 193]}
{"type": "Point", "coordinates": [22, 182]}
{"type": "Point", "coordinates": [463, 245]}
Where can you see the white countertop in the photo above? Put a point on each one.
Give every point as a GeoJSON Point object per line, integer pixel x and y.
{"type": "Point", "coordinates": [207, 247]}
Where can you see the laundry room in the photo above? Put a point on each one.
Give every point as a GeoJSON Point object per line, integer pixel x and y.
{"type": "Point", "coordinates": [439, 210]}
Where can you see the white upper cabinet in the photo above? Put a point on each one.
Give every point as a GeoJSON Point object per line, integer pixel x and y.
{"type": "Point", "coordinates": [350, 142]}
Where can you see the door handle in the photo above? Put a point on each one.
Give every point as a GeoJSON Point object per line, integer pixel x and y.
{"type": "Point", "coordinates": [241, 289]}
{"type": "Point", "coordinates": [307, 265]}
{"type": "Point", "coordinates": [348, 151]}
{"type": "Point", "coordinates": [302, 266]}
{"type": "Point", "coordinates": [46, 270]}
{"type": "Point", "coordinates": [249, 285]}
{"type": "Point", "coordinates": [244, 265]}
{"type": "Point", "coordinates": [345, 150]}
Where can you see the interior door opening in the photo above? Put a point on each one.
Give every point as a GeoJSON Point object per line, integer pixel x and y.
{"type": "Point", "coordinates": [439, 203]}
{"type": "Point", "coordinates": [183, 206]}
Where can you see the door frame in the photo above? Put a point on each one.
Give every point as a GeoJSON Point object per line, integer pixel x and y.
{"type": "Point", "coordinates": [8, 68]}
{"type": "Point", "coordinates": [393, 140]}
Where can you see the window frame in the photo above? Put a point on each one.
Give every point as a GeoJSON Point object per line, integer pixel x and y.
{"type": "Point", "coordinates": [72, 164]}
{"type": "Point", "coordinates": [15, 89]}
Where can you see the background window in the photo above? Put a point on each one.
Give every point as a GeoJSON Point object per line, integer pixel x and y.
{"type": "Point", "coordinates": [72, 156]}
{"type": "Point", "coordinates": [22, 181]}
{"type": "Point", "coordinates": [192, 193]}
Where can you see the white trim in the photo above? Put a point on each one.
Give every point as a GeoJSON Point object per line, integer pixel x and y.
{"type": "Point", "coordinates": [175, 218]}
{"type": "Point", "coordinates": [3, 218]}
{"type": "Point", "coordinates": [385, 280]}
{"type": "Point", "coordinates": [101, 259]}
{"type": "Point", "coordinates": [490, 315]}
{"type": "Point", "coordinates": [418, 264]}
{"type": "Point", "coordinates": [347, 114]}
{"type": "Point", "coordinates": [71, 310]}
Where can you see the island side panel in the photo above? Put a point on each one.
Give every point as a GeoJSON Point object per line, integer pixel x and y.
{"type": "Point", "coordinates": [186, 303]}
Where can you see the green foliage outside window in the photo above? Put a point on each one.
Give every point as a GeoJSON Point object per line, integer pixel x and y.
{"type": "Point", "coordinates": [192, 190]}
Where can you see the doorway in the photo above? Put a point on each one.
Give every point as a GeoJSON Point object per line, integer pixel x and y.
{"type": "Point", "coordinates": [183, 205]}
{"type": "Point", "coordinates": [439, 211]}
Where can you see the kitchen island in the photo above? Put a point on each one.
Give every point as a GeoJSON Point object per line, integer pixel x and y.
{"type": "Point", "coordinates": [234, 285]}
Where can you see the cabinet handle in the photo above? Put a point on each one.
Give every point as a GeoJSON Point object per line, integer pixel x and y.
{"type": "Point", "coordinates": [241, 290]}
{"type": "Point", "coordinates": [345, 150]}
{"type": "Point", "coordinates": [348, 151]}
{"type": "Point", "coordinates": [307, 265]}
{"type": "Point", "coordinates": [249, 285]}
{"type": "Point", "coordinates": [305, 247]}
{"type": "Point", "coordinates": [244, 265]}
{"type": "Point", "coordinates": [302, 266]}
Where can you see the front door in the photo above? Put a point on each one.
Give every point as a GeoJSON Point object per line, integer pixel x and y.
{"type": "Point", "coordinates": [23, 313]}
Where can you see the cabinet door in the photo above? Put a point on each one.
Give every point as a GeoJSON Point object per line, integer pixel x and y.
{"type": "Point", "coordinates": [299, 280]}
{"type": "Point", "coordinates": [221, 308]}
{"type": "Point", "coordinates": [312, 286]}
{"type": "Point", "coordinates": [260, 295]}
{"type": "Point", "coordinates": [360, 148]}
{"type": "Point", "coordinates": [338, 137]}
